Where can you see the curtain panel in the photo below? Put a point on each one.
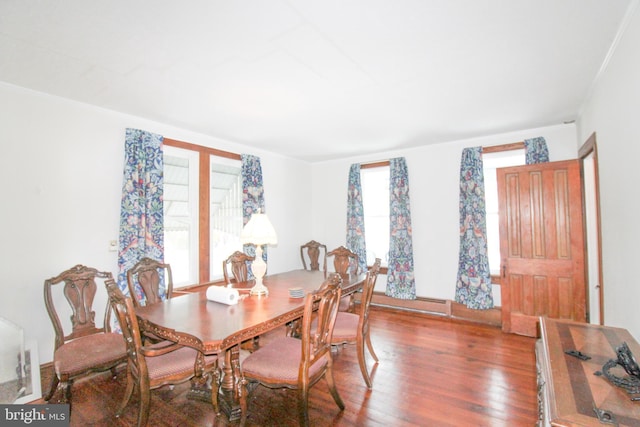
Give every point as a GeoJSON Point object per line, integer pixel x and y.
{"type": "Point", "coordinates": [473, 285]}
{"type": "Point", "coordinates": [252, 198]}
{"type": "Point", "coordinates": [536, 150]}
{"type": "Point", "coordinates": [355, 217]}
{"type": "Point", "coordinates": [400, 278]}
{"type": "Point", "coordinates": [141, 209]}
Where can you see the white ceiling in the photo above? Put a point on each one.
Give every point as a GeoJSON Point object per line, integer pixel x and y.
{"type": "Point", "coordinates": [317, 79]}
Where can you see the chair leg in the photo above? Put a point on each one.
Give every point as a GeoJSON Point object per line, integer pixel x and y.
{"type": "Point", "coordinates": [361, 361]}
{"type": "Point", "coordinates": [52, 389]}
{"type": "Point", "coordinates": [303, 405]}
{"type": "Point", "coordinates": [66, 394]}
{"type": "Point", "coordinates": [370, 347]}
{"type": "Point", "coordinates": [145, 402]}
{"type": "Point", "coordinates": [294, 329]}
{"type": "Point", "coordinates": [332, 386]}
{"type": "Point", "coordinates": [127, 394]}
{"type": "Point", "coordinates": [62, 388]}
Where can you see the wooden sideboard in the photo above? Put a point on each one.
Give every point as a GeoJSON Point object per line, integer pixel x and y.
{"type": "Point", "coordinates": [569, 391]}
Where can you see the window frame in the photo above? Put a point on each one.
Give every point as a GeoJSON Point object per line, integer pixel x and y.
{"type": "Point", "coordinates": [204, 201]}
{"type": "Point", "coordinates": [495, 161]}
{"type": "Point", "coordinates": [191, 262]}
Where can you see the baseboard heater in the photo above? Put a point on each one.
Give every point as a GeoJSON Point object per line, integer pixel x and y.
{"type": "Point", "coordinates": [438, 307]}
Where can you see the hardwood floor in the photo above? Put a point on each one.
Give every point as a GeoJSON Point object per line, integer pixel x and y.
{"type": "Point", "coordinates": [432, 372]}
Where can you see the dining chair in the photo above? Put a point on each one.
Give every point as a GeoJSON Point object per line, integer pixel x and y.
{"type": "Point", "coordinates": [237, 262]}
{"type": "Point", "coordinates": [81, 346]}
{"type": "Point", "coordinates": [353, 328]}
{"type": "Point", "coordinates": [288, 362]}
{"type": "Point", "coordinates": [152, 366]}
{"type": "Point", "coordinates": [345, 261]}
{"type": "Point", "coordinates": [311, 251]}
{"type": "Point", "coordinates": [149, 281]}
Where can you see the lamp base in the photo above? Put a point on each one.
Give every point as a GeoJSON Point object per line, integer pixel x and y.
{"type": "Point", "coordinates": [259, 290]}
{"type": "Point", "coordinates": [259, 268]}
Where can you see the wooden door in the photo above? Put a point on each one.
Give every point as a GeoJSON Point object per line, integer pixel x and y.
{"type": "Point", "coordinates": [541, 245]}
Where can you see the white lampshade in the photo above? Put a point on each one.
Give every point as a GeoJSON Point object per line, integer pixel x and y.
{"type": "Point", "coordinates": [259, 231]}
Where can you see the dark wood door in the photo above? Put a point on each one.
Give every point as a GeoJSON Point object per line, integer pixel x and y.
{"type": "Point", "coordinates": [541, 245]}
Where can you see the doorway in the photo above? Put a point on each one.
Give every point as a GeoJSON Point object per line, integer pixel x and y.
{"type": "Point", "coordinates": [588, 154]}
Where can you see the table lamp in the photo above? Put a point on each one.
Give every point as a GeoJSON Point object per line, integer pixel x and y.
{"type": "Point", "coordinates": [258, 232]}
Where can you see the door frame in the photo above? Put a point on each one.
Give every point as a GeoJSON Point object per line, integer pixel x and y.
{"type": "Point", "coordinates": [589, 150]}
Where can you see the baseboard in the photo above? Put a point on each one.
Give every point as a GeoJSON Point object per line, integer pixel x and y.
{"type": "Point", "coordinates": [491, 316]}
{"type": "Point", "coordinates": [438, 307]}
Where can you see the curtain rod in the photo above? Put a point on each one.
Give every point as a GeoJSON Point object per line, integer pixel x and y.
{"type": "Point", "coordinates": [503, 147]}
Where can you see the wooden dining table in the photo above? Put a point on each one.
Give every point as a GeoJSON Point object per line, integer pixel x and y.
{"type": "Point", "coordinates": [217, 328]}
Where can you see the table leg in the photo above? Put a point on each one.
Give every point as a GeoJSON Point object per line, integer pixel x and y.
{"type": "Point", "coordinates": [230, 386]}
{"type": "Point", "coordinates": [200, 390]}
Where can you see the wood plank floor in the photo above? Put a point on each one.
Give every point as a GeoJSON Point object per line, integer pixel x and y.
{"type": "Point", "coordinates": [432, 372]}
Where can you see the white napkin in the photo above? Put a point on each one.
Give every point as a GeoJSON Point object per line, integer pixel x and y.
{"type": "Point", "coordinates": [223, 295]}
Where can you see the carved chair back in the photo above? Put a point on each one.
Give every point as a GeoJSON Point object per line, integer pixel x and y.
{"type": "Point", "coordinates": [344, 260]}
{"type": "Point", "coordinates": [79, 289]}
{"type": "Point", "coordinates": [317, 344]}
{"type": "Point", "coordinates": [124, 310]}
{"type": "Point", "coordinates": [150, 282]}
{"type": "Point", "coordinates": [238, 264]}
{"type": "Point", "coordinates": [313, 251]}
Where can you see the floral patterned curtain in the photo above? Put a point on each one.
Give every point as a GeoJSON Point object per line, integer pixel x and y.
{"type": "Point", "coordinates": [536, 150]}
{"type": "Point", "coordinates": [141, 211]}
{"type": "Point", "coordinates": [400, 280]}
{"type": "Point", "coordinates": [252, 197]}
{"type": "Point", "coordinates": [355, 217]}
{"type": "Point", "coordinates": [473, 286]}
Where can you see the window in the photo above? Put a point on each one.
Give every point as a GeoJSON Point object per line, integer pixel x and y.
{"type": "Point", "coordinates": [490, 162]}
{"type": "Point", "coordinates": [226, 212]}
{"type": "Point", "coordinates": [202, 210]}
{"type": "Point", "coordinates": [180, 201]}
{"type": "Point", "coordinates": [375, 200]}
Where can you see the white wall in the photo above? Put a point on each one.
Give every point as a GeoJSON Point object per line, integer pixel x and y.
{"type": "Point", "coordinates": [61, 173]}
{"type": "Point", "coordinates": [434, 173]}
{"type": "Point", "coordinates": [613, 113]}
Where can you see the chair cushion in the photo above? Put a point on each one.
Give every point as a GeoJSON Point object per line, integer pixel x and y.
{"type": "Point", "coordinates": [279, 361]}
{"type": "Point", "coordinates": [179, 361]}
{"type": "Point", "coordinates": [346, 327]}
{"type": "Point", "coordinates": [80, 355]}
